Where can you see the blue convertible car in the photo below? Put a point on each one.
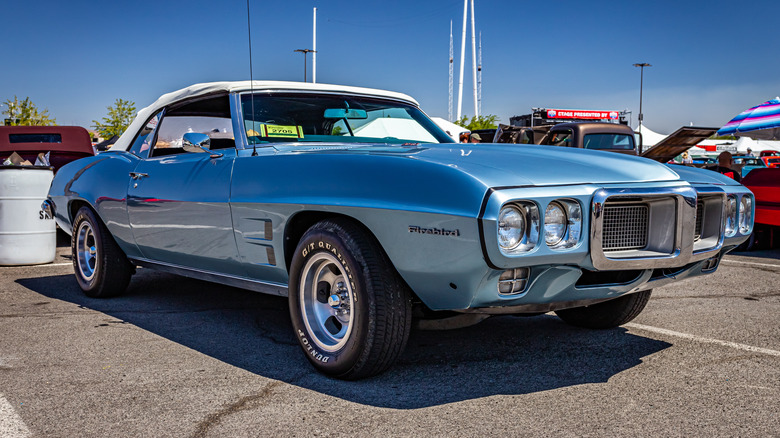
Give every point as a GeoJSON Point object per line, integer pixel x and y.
{"type": "Point", "coordinates": [355, 205]}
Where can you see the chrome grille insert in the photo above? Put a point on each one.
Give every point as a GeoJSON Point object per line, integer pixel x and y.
{"type": "Point", "coordinates": [625, 227]}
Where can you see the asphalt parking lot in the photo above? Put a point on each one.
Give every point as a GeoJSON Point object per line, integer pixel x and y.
{"type": "Point", "coordinates": [185, 358]}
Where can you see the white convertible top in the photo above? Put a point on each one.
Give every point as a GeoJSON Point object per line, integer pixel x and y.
{"type": "Point", "coordinates": [125, 140]}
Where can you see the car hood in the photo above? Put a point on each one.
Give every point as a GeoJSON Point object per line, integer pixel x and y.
{"type": "Point", "coordinates": [500, 165]}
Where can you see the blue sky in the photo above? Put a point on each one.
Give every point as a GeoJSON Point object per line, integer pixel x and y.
{"type": "Point", "coordinates": [710, 59]}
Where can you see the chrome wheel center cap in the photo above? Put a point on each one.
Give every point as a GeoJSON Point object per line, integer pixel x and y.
{"type": "Point", "coordinates": [334, 301]}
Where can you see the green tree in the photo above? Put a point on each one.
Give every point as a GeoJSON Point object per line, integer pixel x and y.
{"type": "Point", "coordinates": [478, 122]}
{"type": "Point", "coordinates": [25, 113]}
{"type": "Point", "coordinates": [120, 115]}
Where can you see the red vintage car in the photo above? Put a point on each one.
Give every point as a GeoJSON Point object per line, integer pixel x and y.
{"type": "Point", "coordinates": [66, 143]}
{"type": "Point", "coordinates": [765, 185]}
{"type": "Point", "coordinates": [771, 160]}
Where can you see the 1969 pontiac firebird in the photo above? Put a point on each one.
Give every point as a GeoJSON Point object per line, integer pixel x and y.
{"type": "Point", "coordinates": [355, 205]}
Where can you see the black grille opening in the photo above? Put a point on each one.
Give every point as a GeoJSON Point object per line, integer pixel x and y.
{"type": "Point", "coordinates": [699, 220]}
{"type": "Point", "coordinates": [625, 227]}
{"type": "Point", "coordinates": [603, 278]}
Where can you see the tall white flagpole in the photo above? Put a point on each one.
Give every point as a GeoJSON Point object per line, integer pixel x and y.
{"type": "Point", "coordinates": [449, 103]}
{"type": "Point", "coordinates": [314, 48]}
{"type": "Point", "coordinates": [474, 60]}
{"type": "Point", "coordinates": [462, 59]}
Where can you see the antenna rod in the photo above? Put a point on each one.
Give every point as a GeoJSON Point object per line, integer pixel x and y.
{"type": "Point", "coordinates": [314, 50]}
{"type": "Point", "coordinates": [474, 60]}
{"type": "Point", "coordinates": [462, 58]}
{"type": "Point", "coordinates": [251, 79]}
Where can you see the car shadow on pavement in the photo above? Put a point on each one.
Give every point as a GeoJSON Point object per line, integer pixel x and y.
{"type": "Point", "coordinates": [505, 355]}
{"type": "Point", "coordinates": [771, 254]}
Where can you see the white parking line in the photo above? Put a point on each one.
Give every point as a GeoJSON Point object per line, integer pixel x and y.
{"type": "Point", "coordinates": [704, 340]}
{"type": "Point", "coordinates": [11, 426]}
{"type": "Point", "coordinates": [750, 263]}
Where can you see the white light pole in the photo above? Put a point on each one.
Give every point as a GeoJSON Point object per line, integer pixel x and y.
{"type": "Point", "coordinates": [462, 59]}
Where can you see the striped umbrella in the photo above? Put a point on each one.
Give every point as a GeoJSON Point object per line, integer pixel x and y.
{"type": "Point", "coordinates": [760, 122]}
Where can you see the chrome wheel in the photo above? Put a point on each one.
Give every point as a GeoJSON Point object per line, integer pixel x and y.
{"type": "Point", "coordinates": [326, 299]}
{"type": "Point", "coordinates": [86, 251]}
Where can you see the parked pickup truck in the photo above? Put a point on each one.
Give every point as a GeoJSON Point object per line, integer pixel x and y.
{"type": "Point", "coordinates": [602, 136]}
{"type": "Point", "coordinates": [63, 143]}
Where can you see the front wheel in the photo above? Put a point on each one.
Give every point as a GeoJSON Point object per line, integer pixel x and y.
{"type": "Point", "coordinates": [608, 314]}
{"type": "Point", "coordinates": [101, 268]}
{"type": "Point", "coordinates": [350, 310]}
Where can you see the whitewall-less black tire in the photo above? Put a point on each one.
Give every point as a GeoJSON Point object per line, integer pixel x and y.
{"type": "Point", "coordinates": [101, 268]}
{"type": "Point", "coordinates": [350, 310]}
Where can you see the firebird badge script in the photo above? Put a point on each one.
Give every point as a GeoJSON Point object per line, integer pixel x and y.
{"type": "Point", "coordinates": [434, 231]}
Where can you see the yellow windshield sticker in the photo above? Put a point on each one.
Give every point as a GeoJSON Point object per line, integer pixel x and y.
{"type": "Point", "coordinates": [281, 131]}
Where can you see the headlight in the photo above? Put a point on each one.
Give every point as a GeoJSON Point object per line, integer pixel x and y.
{"type": "Point", "coordinates": [555, 222]}
{"type": "Point", "coordinates": [745, 215]}
{"type": "Point", "coordinates": [511, 227]}
{"type": "Point", "coordinates": [731, 216]}
{"type": "Point", "coordinates": [518, 227]}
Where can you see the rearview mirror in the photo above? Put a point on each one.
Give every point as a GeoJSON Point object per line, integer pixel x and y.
{"type": "Point", "coordinates": [342, 113]}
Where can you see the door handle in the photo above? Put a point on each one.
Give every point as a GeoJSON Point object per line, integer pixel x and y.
{"type": "Point", "coordinates": [138, 175]}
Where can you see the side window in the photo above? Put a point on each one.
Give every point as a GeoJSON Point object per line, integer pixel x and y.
{"type": "Point", "coordinates": [562, 138]}
{"type": "Point", "coordinates": [143, 141]}
{"type": "Point", "coordinates": [609, 141]}
{"type": "Point", "coordinates": [210, 117]}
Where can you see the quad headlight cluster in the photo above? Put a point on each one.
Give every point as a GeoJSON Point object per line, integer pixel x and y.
{"type": "Point", "coordinates": [739, 215]}
{"type": "Point", "coordinates": [519, 225]}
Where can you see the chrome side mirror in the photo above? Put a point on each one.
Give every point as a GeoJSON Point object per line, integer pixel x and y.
{"type": "Point", "coordinates": [197, 142]}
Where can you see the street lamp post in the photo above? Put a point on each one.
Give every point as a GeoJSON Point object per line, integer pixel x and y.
{"type": "Point", "coordinates": [641, 66]}
{"type": "Point", "coordinates": [305, 52]}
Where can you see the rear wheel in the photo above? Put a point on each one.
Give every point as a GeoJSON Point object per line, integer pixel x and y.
{"type": "Point", "coordinates": [608, 314]}
{"type": "Point", "coordinates": [101, 268]}
{"type": "Point", "coordinates": [350, 310]}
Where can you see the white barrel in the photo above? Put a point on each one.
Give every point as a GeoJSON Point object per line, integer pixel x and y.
{"type": "Point", "coordinates": [28, 235]}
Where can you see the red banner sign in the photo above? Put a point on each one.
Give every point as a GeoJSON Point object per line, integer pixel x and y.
{"type": "Point", "coordinates": [581, 114]}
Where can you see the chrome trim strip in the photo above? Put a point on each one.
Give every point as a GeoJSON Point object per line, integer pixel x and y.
{"type": "Point", "coordinates": [265, 287]}
{"type": "Point", "coordinates": [682, 248]}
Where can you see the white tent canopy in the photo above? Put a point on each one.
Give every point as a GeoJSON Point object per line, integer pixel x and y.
{"type": "Point", "coordinates": [649, 137]}
{"type": "Point", "coordinates": [450, 128]}
{"type": "Point", "coordinates": [756, 145]}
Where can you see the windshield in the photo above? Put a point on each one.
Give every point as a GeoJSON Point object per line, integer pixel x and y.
{"type": "Point", "coordinates": [609, 141]}
{"type": "Point", "coordinates": [300, 117]}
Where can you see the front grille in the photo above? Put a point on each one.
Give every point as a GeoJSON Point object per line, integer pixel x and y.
{"type": "Point", "coordinates": [625, 227]}
{"type": "Point", "coordinates": [699, 220]}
